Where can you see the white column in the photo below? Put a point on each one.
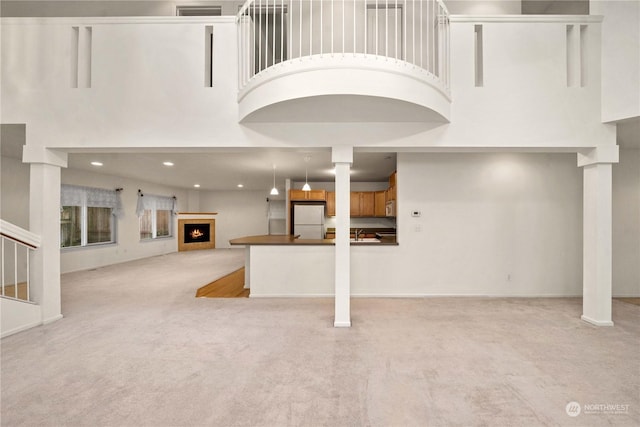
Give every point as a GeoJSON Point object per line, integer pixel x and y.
{"type": "Point", "coordinates": [597, 235]}
{"type": "Point", "coordinates": [247, 267]}
{"type": "Point", "coordinates": [342, 157]}
{"type": "Point", "coordinates": [44, 220]}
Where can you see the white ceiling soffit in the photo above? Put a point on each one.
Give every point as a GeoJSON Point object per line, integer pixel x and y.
{"type": "Point", "coordinates": [344, 109]}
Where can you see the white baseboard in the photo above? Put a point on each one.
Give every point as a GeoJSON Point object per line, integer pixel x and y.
{"type": "Point", "coordinates": [341, 324]}
{"type": "Point", "coordinates": [414, 295]}
{"type": "Point", "coordinates": [596, 322]}
{"type": "Point", "coordinates": [20, 329]}
{"type": "Point", "coordinates": [291, 296]}
{"type": "Point", "coordinates": [423, 295]}
{"type": "Point", "coordinates": [52, 319]}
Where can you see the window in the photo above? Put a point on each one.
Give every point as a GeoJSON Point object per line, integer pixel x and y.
{"type": "Point", "coordinates": [156, 216]}
{"type": "Point", "coordinates": [88, 216]}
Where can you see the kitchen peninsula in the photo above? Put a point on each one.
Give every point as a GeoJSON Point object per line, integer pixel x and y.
{"type": "Point", "coordinates": [286, 266]}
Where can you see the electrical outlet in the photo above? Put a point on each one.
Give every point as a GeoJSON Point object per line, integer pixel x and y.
{"type": "Point", "coordinates": [418, 228]}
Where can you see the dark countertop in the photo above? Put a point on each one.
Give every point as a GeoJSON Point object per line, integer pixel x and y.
{"type": "Point", "coordinates": [293, 240]}
{"type": "Point", "coordinates": [366, 230]}
{"type": "Point", "coordinates": [279, 240]}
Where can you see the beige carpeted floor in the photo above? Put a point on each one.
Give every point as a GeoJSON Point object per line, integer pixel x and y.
{"type": "Point", "coordinates": [137, 349]}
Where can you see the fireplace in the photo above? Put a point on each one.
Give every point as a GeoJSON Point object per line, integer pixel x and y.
{"type": "Point", "coordinates": [196, 231]}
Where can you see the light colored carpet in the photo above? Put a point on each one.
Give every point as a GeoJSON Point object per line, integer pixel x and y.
{"type": "Point", "coordinates": [137, 349]}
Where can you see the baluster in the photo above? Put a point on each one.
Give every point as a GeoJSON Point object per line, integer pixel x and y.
{"type": "Point", "coordinates": [343, 32]}
{"type": "Point", "coordinates": [265, 12]}
{"type": "Point", "coordinates": [421, 25]}
{"type": "Point", "coordinates": [377, 31]}
{"type": "Point", "coordinates": [428, 38]}
{"type": "Point", "coordinates": [355, 47]}
{"type": "Point", "coordinates": [413, 27]}
{"type": "Point", "coordinates": [260, 37]}
{"type": "Point", "coordinates": [3, 266]}
{"type": "Point", "coordinates": [395, 27]}
{"type": "Point", "coordinates": [28, 275]}
{"type": "Point", "coordinates": [366, 24]}
{"type": "Point", "coordinates": [404, 29]}
{"type": "Point", "coordinates": [321, 28]}
{"type": "Point", "coordinates": [15, 269]}
{"type": "Point", "coordinates": [310, 27]}
{"type": "Point", "coordinates": [433, 36]}
{"type": "Point", "coordinates": [386, 29]}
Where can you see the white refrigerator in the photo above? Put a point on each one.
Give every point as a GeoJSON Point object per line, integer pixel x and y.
{"type": "Point", "coordinates": [308, 221]}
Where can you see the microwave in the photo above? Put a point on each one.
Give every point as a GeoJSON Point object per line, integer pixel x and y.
{"type": "Point", "coordinates": [390, 208]}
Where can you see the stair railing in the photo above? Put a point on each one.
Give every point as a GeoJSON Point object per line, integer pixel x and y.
{"type": "Point", "coordinates": [16, 247]}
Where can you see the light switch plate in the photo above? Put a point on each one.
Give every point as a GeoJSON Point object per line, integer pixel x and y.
{"type": "Point", "coordinates": [415, 213]}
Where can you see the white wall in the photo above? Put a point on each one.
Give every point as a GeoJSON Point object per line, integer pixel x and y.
{"type": "Point", "coordinates": [626, 224]}
{"type": "Point", "coordinates": [14, 197]}
{"type": "Point", "coordinates": [53, 8]}
{"type": "Point", "coordinates": [524, 102]}
{"type": "Point", "coordinates": [620, 58]}
{"type": "Point", "coordinates": [491, 224]}
{"type": "Point", "coordinates": [240, 213]}
{"type": "Point", "coordinates": [129, 246]}
{"type": "Point", "coordinates": [483, 7]}
{"type": "Point", "coordinates": [555, 7]}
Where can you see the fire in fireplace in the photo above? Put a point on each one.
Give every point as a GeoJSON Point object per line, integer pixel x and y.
{"type": "Point", "coordinates": [196, 233]}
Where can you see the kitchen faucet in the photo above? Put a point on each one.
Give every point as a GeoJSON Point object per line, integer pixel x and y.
{"type": "Point", "coordinates": [358, 233]}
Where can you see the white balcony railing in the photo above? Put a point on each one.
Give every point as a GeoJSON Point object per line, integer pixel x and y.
{"type": "Point", "coordinates": [413, 33]}
{"type": "Point", "coordinates": [16, 246]}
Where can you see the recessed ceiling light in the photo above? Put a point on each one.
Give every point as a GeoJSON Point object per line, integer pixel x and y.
{"type": "Point", "coordinates": [333, 171]}
{"type": "Point", "coordinates": [96, 163]}
{"type": "Point", "coordinates": [196, 185]}
{"type": "Point", "coordinates": [240, 185]}
{"type": "Point", "coordinates": [167, 163]}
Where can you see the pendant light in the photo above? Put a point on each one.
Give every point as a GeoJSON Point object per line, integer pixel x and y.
{"type": "Point", "coordinates": [274, 190]}
{"type": "Point", "coordinates": [306, 186]}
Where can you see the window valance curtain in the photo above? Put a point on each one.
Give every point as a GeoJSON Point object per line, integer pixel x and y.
{"type": "Point", "coordinates": [151, 201]}
{"type": "Point", "coordinates": [75, 195]}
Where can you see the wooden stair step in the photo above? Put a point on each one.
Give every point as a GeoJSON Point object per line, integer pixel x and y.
{"type": "Point", "coordinates": [229, 286]}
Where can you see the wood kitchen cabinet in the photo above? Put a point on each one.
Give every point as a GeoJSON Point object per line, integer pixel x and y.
{"type": "Point", "coordinates": [367, 203]}
{"type": "Point", "coordinates": [331, 205]}
{"type": "Point", "coordinates": [355, 204]}
{"type": "Point", "coordinates": [391, 191]}
{"type": "Point", "coordinates": [362, 203]}
{"type": "Point", "coordinates": [313, 195]}
{"type": "Point", "coordinates": [380, 203]}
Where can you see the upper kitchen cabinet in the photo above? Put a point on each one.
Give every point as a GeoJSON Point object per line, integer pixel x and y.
{"type": "Point", "coordinates": [362, 203]}
{"type": "Point", "coordinates": [391, 191]}
{"type": "Point", "coordinates": [312, 195]}
{"type": "Point", "coordinates": [380, 203]}
{"type": "Point", "coordinates": [331, 203]}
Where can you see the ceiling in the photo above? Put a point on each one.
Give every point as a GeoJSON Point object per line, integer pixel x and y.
{"type": "Point", "coordinates": [224, 169]}
{"type": "Point", "coordinates": [217, 169]}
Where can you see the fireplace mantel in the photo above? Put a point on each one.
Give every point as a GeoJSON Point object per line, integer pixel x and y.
{"type": "Point", "coordinates": [196, 215]}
